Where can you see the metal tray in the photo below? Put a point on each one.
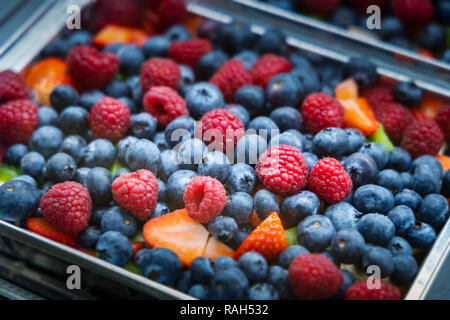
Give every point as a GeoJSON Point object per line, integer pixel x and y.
{"type": "Point", "coordinates": [301, 32]}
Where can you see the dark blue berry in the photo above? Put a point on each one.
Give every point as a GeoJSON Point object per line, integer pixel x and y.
{"type": "Point", "coordinates": [143, 154]}
{"type": "Point", "coordinates": [349, 279]}
{"type": "Point", "coordinates": [343, 215]}
{"type": "Point", "coordinates": [355, 140]}
{"type": "Point", "coordinates": [249, 148]}
{"type": "Point", "coordinates": [161, 209]}
{"type": "Point", "coordinates": [114, 247]}
{"type": "Point", "coordinates": [143, 125]}
{"type": "Point", "coordinates": [315, 232]}
{"type": "Point", "coordinates": [215, 164]}
{"type": "Point", "coordinates": [372, 198]}
{"type": "Point", "coordinates": [98, 182]}
{"type": "Point", "coordinates": [15, 153]}
{"type": "Point", "coordinates": [263, 291]}
{"type": "Point", "coordinates": [191, 153]}
{"type": "Point", "coordinates": [89, 98]}
{"type": "Point", "coordinates": [362, 70]}
{"type": "Point", "coordinates": [18, 200]}
{"type": "Point", "coordinates": [330, 142]}
{"type": "Point", "coordinates": [203, 97]}
{"type": "Point", "coordinates": [202, 270]}
{"type": "Point", "coordinates": [408, 93]}
{"type": "Point", "coordinates": [240, 112]}
{"type": "Point", "coordinates": [184, 281]}
{"type": "Point", "coordinates": [405, 269]}
{"type": "Point", "coordinates": [399, 245]}
{"type": "Point", "coordinates": [247, 57]}
{"type": "Point", "coordinates": [209, 64]}
{"type": "Point", "coordinates": [272, 41]}
{"type": "Point", "coordinates": [99, 153]}
{"type": "Point", "coordinates": [178, 33]}
{"type": "Point", "coordinates": [287, 118]}
{"type": "Point", "coordinates": [60, 167]}
{"type": "Point", "coordinates": [297, 207]}
{"type": "Point", "coordinates": [180, 129]}
{"type": "Point", "coordinates": [239, 206]}
{"type": "Point", "coordinates": [347, 246]}
{"type": "Point", "coordinates": [343, 17]}
{"type": "Point", "coordinates": [376, 228]}
{"type": "Point", "coordinates": [311, 159]}
{"type": "Point", "coordinates": [433, 37]}
{"type": "Point", "coordinates": [222, 263]}
{"type": "Point", "coordinates": [289, 254]}
{"type": "Point", "coordinates": [380, 257]}
{"type": "Point", "coordinates": [47, 116]}
{"type": "Point", "coordinates": [163, 266]}
{"type": "Point", "coordinates": [426, 181]}
{"type": "Point", "coordinates": [88, 238]}
{"type": "Point", "coordinates": [402, 217]}
{"type": "Point", "coordinates": [288, 138]}
{"type": "Point", "coordinates": [265, 203]}
{"type": "Point", "coordinates": [399, 160]}
{"type": "Point", "coordinates": [421, 235]}
{"type": "Point", "coordinates": [223, 228]}
{"type": "Point", "coordinates": [32, 164]}
{"type": "Point", "coordinates": [408, 198]}
{"type": "Point", "coordinates": [264, 127]}
{"type": "Point", "coordinates": [156, 46]}
{"type": "Point", "coordinates": [169, 164]}
{"type": "Point", "coordinates": [253, 98]}
{"type": "Point", "coordinates": [131, 58]}
{"type": "Point", "coordinates": [63, 96]}
{"type": "Point", "coordinates": [284, 90]}
{"type": "Point", "coordinates": [254, 266]}
{"type": "Point", "coordinates": [229, 284]}
{"type": "Point", "coordinates": [199, 291]}
{"type": "Point", "coordinates": [46, 140]}
{"type": "Point", "coordinates": [377, 151]}
{"type": "Point", "coordinates": [176, 185]}
{"type": "Point", "coordinates": [434, 210]}
{"type": "Point", "coordinates": [389, 179]}
{"type": "Point", "coordinates": [241, 178]}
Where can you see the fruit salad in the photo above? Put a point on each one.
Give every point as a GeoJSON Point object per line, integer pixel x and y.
{"type": "Point", "coordinates": [221, 163]}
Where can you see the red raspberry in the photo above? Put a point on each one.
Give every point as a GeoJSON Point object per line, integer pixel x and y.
{"type": "Point", "coordinates": [414, 12]}
{"type": "Point", "coordinates": [137, 192]}
{"type": "Point", "coordinates": [123, 12]}
{"type": "Point", "coordinates": [320, 111]}
{"type": "Point", "coordinates": [230, 77]}
{"type": "Point", "coordinates": [165, 104]}
{"type": "Point", "coordinates": [395, 118]}
{"type": "Point", "coordinates": [282, 169]}
{"type": "Point", "coordinates": [204, 198]}
{"type": "Point", "coordinates": [109, 119]}
{"type": "Point", "coordinates": [422, 137]}
{"type": "Point", "coordinates": [268, 66]}
{"type": "Point", "coordinates": [323, 7]}
{"type": "Point", "coordinates": [314, 276]}
{"type": "Point", "coordinates": [91, 69]}
{"type": "Point", "coordinates": [67, 206]}
{"type": "Point", "coordinates": [18, 120]}
{"type": "Point", "coordinates": [2, 153]}
{"type": "Point", "coordinates": [190, 51]}
{"type": "Point", "coordinates": [12, 87]}
{"type": "Point", "coordinates": [377, 95]}
{"type": "Point", "coordinates": [223, 125]}
{"type": "Point", "coordinates": [171, 12]}
{"type": "Point", "coordinates": [360, 291]}
{"type": "Point", "coordinates": [329, 180]}
{"type": "Point", "coordinates": [160, 72]}
{"type": "Point", "coordinates": [442, 118]}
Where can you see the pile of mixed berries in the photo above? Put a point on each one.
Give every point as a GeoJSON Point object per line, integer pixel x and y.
{"type": "Point", "coordinates": [419, 25]}
{"type": "Point", "coordinates": [221, 163]}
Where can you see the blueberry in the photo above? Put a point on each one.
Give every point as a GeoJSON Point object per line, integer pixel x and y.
{"type": "Point", "coordinates": [315, 232]}
{"type": "Point", "coordinates": [176, 185]}
{"type": "Point", "coordinates": [434, 210]}
{"type": "Point", "coordinates": [117, 89]}
{"type": "Point", "coordinates": [389, 179]}
{"type": "Point", "coordinates": [32, 164]}
{"type": "Point", "coordinates": [348, 281]}
{"type": "Point", "coordinates": [161, 209]}
{"type": "Point", "coordinates": [120, 172]}
{"type": "Point", "coordinates": [289, 254]}
{"type": "Point", "coordinates": [279, 279]}
{"type": "Point", "coordinates": [113, 47]}
{"type": "Point", "coordinates": [224, 262]}
{"type": "Point", "coordinates": [377, 152]}
{"type": "Point", "coordinates": [248, 58]}
{"type": "Point", "coordinates": [376, 228]}
{"type": "Point", "coordinates": [223, 228]}
{"type": "Point", "coordinates": [309, 78]}
{"type": "Point", "coordinates": [253, 98]}
{"type": "Point", "coordinates": [73, 146]}
{"type": "Point", "coordinates": [307, 142]}
{"type": "Point", "coordinates": [362, 70]}
{"type": "Point", "coordinates": [240, 112]}
{"type": "Point", "coordinates": [355, 140]}
{"type": "Point", "coordinates": [284, 90]}
{"type": "Point", "coordinates": [203, 97]}
{"type": "Point", "coordinates": [15, 153]}
{"type": "Point", "coordinates": [187, 79]}
{"type": "Point", "coordinates": [311, 159]}
{"type": "Point", "coordinates": [380, 257]}
{"type": "Point", "coordinates": [427, 160]}
{"type": "Point", "coordinates": [60, 167]}
{"type": "Point", "coordinates": [131, 58]}
{"type": "Point", "coordinates": [143, 125]}
{"type": "Point", "coordinates": [263, 291]}
{"type": "Point", "coordinates": [157, 46]}
{"type": "Point", "coordinates": [297, 207]}
{"type": "Point", "coordinates": [330, 142]}
{"type": "Point", "coordinates": [406, 179]}
{"type": "Point", "coordinates": [287, 118]}
{"type": "Point", "coordinates": [163, 266]}
{"type": "Point", "coordinates": [446, 56]}
{"type": "Point", "coordinates": [373, 198]}
{"type": "Point", "coordinates": [254, 266]}
{"type": "Point", "coordinates": [402, 217]}
{"type": "Point", "coordinates": [123, 146]}
{"type": "Point", "coordinates": [199, 291]}
{"type": "Point", "coordinates": [229, 284]}
{"type": "Point", "coordinates": [249, 148]}
{"type": "Point", "coordinates": [114, 247]}
{"type": "Point", "coordinates": [182, 128]}
{"type": "Point", "coordinates": [26, 178]}
{"type": "Point", "coordinates": [169, 164]}
{"type": "Point", "coordinates": [63, 96]}
{"type": "Point", "coordinates": [184, 281]}
{"type": "Point", "coordinates": [18, 200]}
{"type": "Point", "coordinates": [408, 93]}
{"type": "Point", "coordinates": [215, 164]}
{"type": "Point", "coordinates": [445, 190]}
{"type": "Point", "coordinates": [202, 270]}
{"type": "Point", "coordinates": [401, 42]}
{"type": "Point", "coordinates": [239, 206]}
{"type": "Point", "coordinates": [47, 116]}
{"type": "Point", "coordinates": [99, 153]}
{"type": "Point", "coordinates": [98, 183]}
{"type": "Point", "coordinates": [134, 85]}
{"type": "Point", "coordinates": [81, 175]}
{"type": "Point", "coordinates": [347, 246]}
{"type": "Point", "coordinates": [265, 203]}
{"type": "Point", "coordinates": [343, 215]}
{"type": "Point", "coordinates": [243, 233]}
{"type": "Point", "coordinates": [162, 191]}
{"type": "Point", "coordinates": [343, 17]}
{"type": "Point", "coordinates": [398, 245]}
{"type": "Point", "coordinates": [297, 59]}
{"type": "Point", "coordinates": [209, 63]}
{"type": "Point", "coordinates": [433, 37]}
{"type": "Point", "coordinates": [421, 235]}
{"type": "Point", "coordinates": [143, 154]}
{"type": "Point", "coordinates": [391, 27]}
{"type": "Point", "coordinates": [177, 33]}
{"type": "Point", "coordinates": [88, 238]}
{"type": "Point", "coordinates": [425, 180]}
{"type": "Point", "coordinates": [264, 127]}
{"type": "Point", "coordinates": [89, 98]}
{"type": "Point", "coordinates": [272, 41]}
{"type": "Point", "coordinates": [288, 138]}
{"type": "Point", "coordinates": [399, 159]}
{"type": "Point", "coordinates": [236, 37]}
{"type": "Point", "coordinates": [129, 103]}
{"type": "Point", "coordinates": [191, 153]}
{"type": "Point", "coordinates": [241, 178]}
{"type": "Point", "coordinates": [58, 48]}
{"type": "Point", "coordinates": [405, 269]}
{"type": "Point", "coordinates": [160, 140]}
{"type": "Point", "coordinates": [46, 140]}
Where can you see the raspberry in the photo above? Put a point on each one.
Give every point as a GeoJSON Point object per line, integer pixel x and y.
{"type": "Point", "coordinates": [12, 87]}
{"type": "Point", "coordinates": [282, 169]}
{"type": "Point", "coordinates": [442, 118]}
{"type": "Point", "coordinates": [377, 95]}
{"type": "Point", "coordinates": [230, 77]}
{"type": "Point", "coordinates": [67, 206]}
{"type": "Point", "coordinates": [171, 12]}
{"type": "Point", "coordinates": [360, 291]}
{"type": "Point", "coordinates": [223, 125]}
{"type": "Point", "coordinates": [320, 111]}
{"type": "Point", "coordinates": [2, 153]}
{"type": "Point", "coordinates": [189, 51]}
{"type": "Point", "coordinates": [414, 12]}
{"type": "Point", "coordinates": [160, 72]}
{"type": "Point", "coordinates": [18, 120]}
{"type": "Point", "coordinates": [165, 104]}
{"type": "Point", "coordinates": [137, 192]}
{"type": "Point", "coordinates": [204, 198]}
{"type": "Point", "coordinates": [91, 69]}
{"type": "Point", "coordinates": [124, 12]}
{"type": "Point", "coordinates": [324, 7]}
{"type": "Point", "coordinates": [329, 180]}
{"type": "Point", "coordinates": [109, 119]}
{"type": "Point", "coordinates": [395, 118]}
{"type": "Point", "coordinates": [422, 137]}
{"type": "Point", "coordinates": [314, 276]}
{"type": "Point", "coordinates": [268, 66]}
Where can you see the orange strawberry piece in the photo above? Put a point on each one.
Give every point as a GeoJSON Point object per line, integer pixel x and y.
{"type": "Point", "coordinates": [112, 34]}
{"type": "Point", "coordinates": [89, 252]}
{"type": "Point", "coordinates": [255, 221]}
{"type": "Point", "coordinates": [138, 37]}
{"type": "Point", "coordinates": [347, 89]}
{"type": "Point", "coordinates": [269, 239]}
{"type": "Point", "coordinates": [359, 115]}
{"type": "Point", "coordinates": [178, 232]}
{"type": "Point", "coordinates": [215, 249]}
{"type": "Point", "coordinates": [44, 228]}
{"type": "Point", "coordinates": [136, 247]}
{"type": "Point", "coordinates": [46, 68]}
{"type": "Point", "coordinates": [44, 88]}
{"type": "Point", "coordinates": [445, 161]}
{"type": "Point", "coordinates": [431, 104]}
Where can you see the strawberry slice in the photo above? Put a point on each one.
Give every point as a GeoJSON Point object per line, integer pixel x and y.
{"type": "Point", "coordinates": [445, 161]}
{"type": "Point", "coordinates": [136, 247]}
{"type": "Point", "coordinates": [269, 239]}
{"type": "Point", "coordinates": [215, 249]}
{"type": "Point", "coordinates": [44, 228]}
{"type": "Point", "coordinates": [46, 68]}
{"type": "Point", "coordinates": [347, 89]}
{"type": "Point", "coordinates": [178, 232]}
